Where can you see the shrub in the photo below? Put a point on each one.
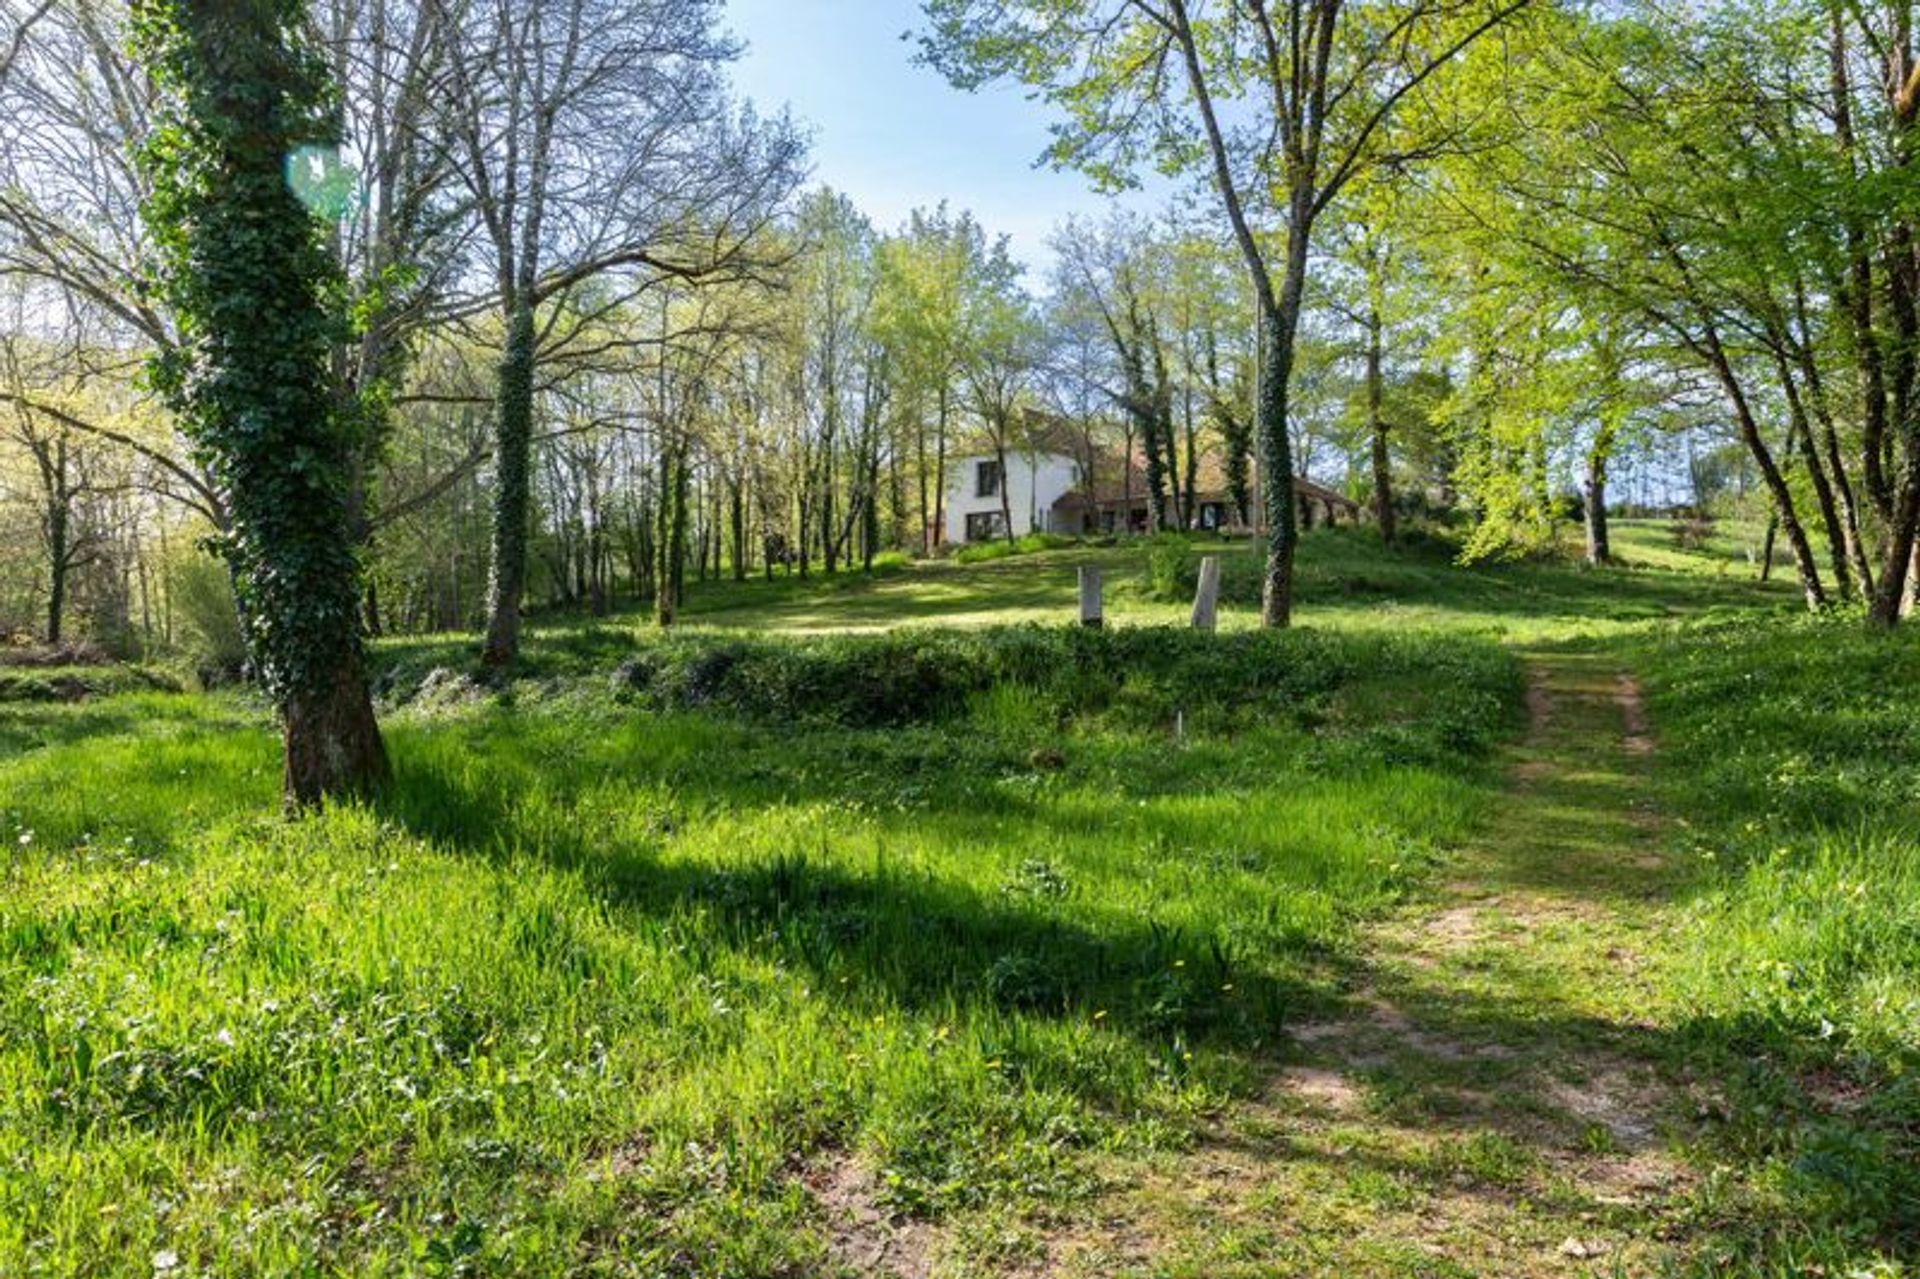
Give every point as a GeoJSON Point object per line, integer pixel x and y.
{"type": "Point", "coordinates": [1447, 697]}
{"type": "Point", "coordinates": [1031, 544]}
{"type": "Point", "coordinates": [1172, 572]}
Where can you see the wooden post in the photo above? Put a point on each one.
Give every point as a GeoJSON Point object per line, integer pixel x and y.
{"type": "Point", "coordinates": [1090, 596]}
{"type": "Point", "coordinates": [1206, 600]}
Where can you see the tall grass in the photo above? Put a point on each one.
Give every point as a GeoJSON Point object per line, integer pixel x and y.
{"type": "Point", "coordinates": [1791, 746]}
{"type": "Point", "coordinates": [614, 965]}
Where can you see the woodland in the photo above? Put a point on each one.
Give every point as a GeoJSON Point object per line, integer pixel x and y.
{"type": "Point", "coordinates": [504, 771]}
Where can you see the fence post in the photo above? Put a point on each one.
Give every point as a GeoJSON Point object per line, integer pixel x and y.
{"type": "Point", "coordinates": [1206, 600]}
{"type": "Point", "coordinates": [1090, 596]}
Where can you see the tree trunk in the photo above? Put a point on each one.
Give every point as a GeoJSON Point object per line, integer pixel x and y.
{"type": "Point", "coordinates": [1855, 294]}
{"type": "Point", "coordinates": [1377, 423]}
{"type": "Point", "coordinates": [1189, 479]}
{"type": "Point", "coordinates": [513, 444]}
{"type": "Point", "coordinates": [1006, 487]}
{"type": "Point", "coordinates": [871, 516]}
{"type": "Point", "coordinates": [926, 505]}
{"type": "Point", "coordinates": [1803, 560]}
{"type": "Point", "coordinates": [247, 276]}
{"type": "Point", "coordinates": [1816, 473]}
{"type": "Point", "coordinates": [1901, 567]}
{"type": "Point", "coordinates": [938, 533]}
{"type": "Point", "coordinates": [1599, 541]}
{"type": "Point", "coordinates": [59, 516]}
{"type": "Point", "coordinates": [1277, 330]}
{"type": "Point", "coordinates": [1158, 428]}
{"type": "Point", "coordinates": [333, 745]}
{"type": "Point", "coordinates": [738, 517]}
{"type": "Point", "coordinates": [1843, 488]}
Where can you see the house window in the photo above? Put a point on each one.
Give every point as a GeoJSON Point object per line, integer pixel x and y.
{"type": "Point", "coordinates": [986, 479]}
{"type": "Point", "coordinates": [984, 526]}
{"type": "Point", "coordinates": [1210, 514]}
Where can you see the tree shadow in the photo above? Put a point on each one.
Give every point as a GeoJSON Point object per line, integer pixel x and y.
{"type": "Point", "coordinates": [894, 935]}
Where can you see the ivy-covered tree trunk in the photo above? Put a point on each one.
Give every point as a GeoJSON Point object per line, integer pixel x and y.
{"type": "Point", "coordinates": [246, 270]}
{"type": "Point", "coordinates": [512, 450]}
{"type": "Point", "coordinates": [53, 460]}
{"type": "Point", "coordinates": [1599, 469]}
{"type": "Point", "coordinates": [1377, 430]}
{"type": "Point", "coordinates": [1279, 327]}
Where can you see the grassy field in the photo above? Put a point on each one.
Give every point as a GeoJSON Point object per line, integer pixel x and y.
{"type": "Point", "coordinates": [775, 947]}
{"type": "Point", "coordinates": [1346, 581]}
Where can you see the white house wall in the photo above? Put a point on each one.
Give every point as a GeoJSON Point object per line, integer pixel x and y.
{"type": "Point", "coordinates": [1033, 486]}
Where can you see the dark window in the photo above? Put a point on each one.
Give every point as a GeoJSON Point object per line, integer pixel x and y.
{"type": "Point", "coordinates": [1210, 515]}
{"type": "Point", "coordinates": [986, 479]}
{"type": "Point", "coordinates": [983, 526]}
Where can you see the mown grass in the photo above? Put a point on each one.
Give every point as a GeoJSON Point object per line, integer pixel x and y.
{"type": "Point", "coordinates": [1346, 581]}
{"type": "Point", "coordinates": [619, 960]}
{"type": "Point", "coordinates": [1791, 747]}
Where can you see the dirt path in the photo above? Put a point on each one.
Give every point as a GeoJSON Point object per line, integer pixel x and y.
{"type": "Point", "coordinates": [1489, 1100]}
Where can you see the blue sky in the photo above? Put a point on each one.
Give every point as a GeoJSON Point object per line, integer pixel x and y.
{"type": "Point", "coordinates": [895, 136]}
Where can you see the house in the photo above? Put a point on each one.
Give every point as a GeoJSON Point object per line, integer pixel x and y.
{"type": "Point", "coordinates": [1116, 505]}
{"type": "Point", "coordinates": [981, 497]}
{"type": "Point", "coordinates": [1045, 490]}
{"type": "Point", "coordinates": [1043, 464]}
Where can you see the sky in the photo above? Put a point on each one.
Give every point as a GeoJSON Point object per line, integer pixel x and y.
{"type": "Point", "coordinates": [896, 136]}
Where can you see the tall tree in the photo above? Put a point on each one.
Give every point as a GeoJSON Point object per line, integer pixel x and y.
{"type": "Point", "coordinates": [246, 270]}
{"type": "Point", "coordinates": [998, 370]}
{"type": "Point", "coordinates": [1284, 105]}
{"type": "Point", "coordinates": [933, 277]}
{"type": "Point", "coordinates": [596, 141]}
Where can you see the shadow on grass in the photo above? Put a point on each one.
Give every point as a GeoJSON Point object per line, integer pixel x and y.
{"type": "Point", "coordinates": [894, 935]}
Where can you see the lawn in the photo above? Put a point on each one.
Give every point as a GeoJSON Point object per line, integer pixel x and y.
{"type": "Point", "coordinates": [1346, 580]}
{"type": "Point", "coordinates": [673, 951]}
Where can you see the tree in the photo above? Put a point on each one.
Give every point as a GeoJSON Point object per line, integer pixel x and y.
{"type": "Point", "coordinates": [1111, 266]}
{"type": "Point", "coordinates": [596, 142]}
{"type": "Point", "coordinates": [1697, 199]}
{"type": "Point", "coordinates": [246, 271]}
{"type": "Point", "coordinates": [998, 368]}
{"type": "Point", "coordinates": [1327, 80]}
{"type": "Point", "coordinates": [933, 276]}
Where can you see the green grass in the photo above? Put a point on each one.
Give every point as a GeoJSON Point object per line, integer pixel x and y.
{"type": "Point", "coordinates": [1792, 748]}
{"type": "Point", "coordinates": [999, 549]}
{"type": "Point", "coordinates": [1346, 580]}
{"type": "Point", "coordinates": [597, 984]}
{"type": "Point", "coordinates": [78, 683]}
{"type": "Point", "coordinates": [649, 942]}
